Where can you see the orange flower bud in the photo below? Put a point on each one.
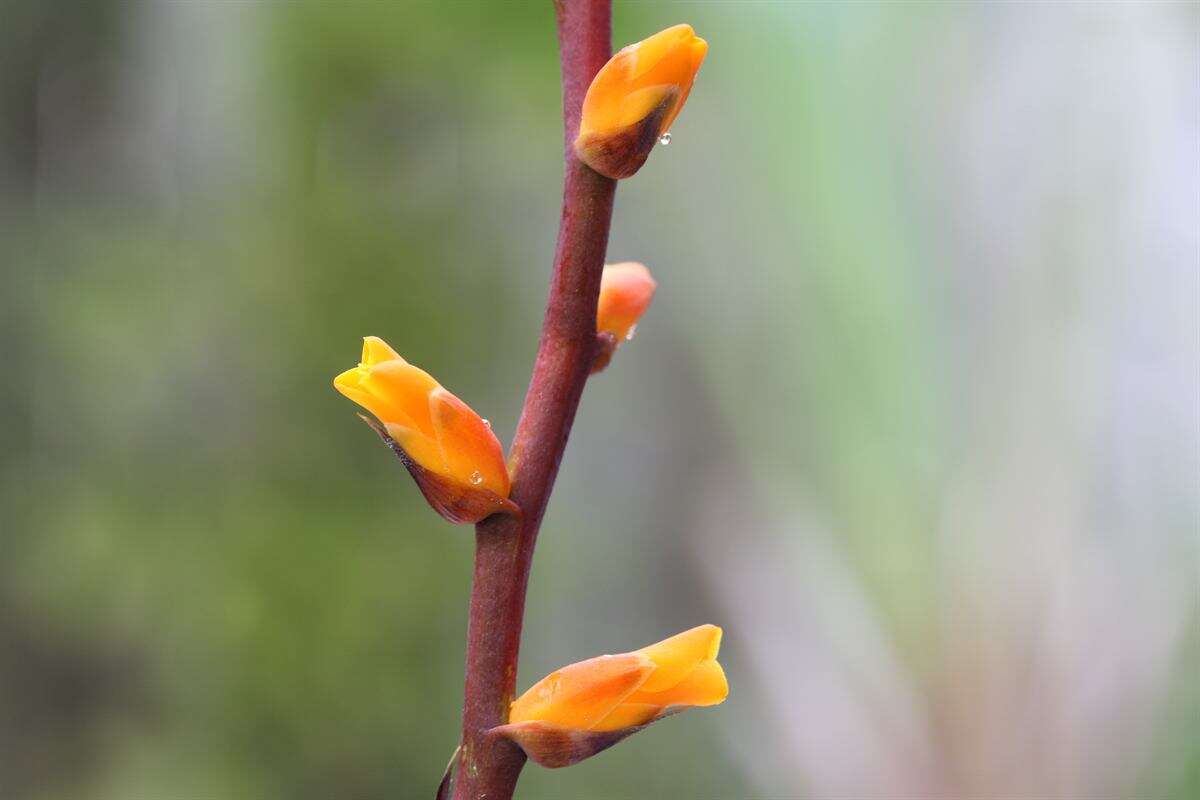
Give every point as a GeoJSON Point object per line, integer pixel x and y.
{"type": "Point", "coordinates": [634, 99]}
{"type": "Point", "coordinates": [450, 451]}
{"type": "Point", "coordinates": [586, 707]}
{"type": "Point", "coordinates": [626, 290]}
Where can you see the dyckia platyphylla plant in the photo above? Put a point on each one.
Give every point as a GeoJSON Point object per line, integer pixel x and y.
{"type": "Point", "coordinates": [459, 464]}
{"type": "Point", "coordinates": [633, 101]}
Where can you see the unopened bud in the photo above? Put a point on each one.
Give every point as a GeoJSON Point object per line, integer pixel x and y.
{"type": "Point", "coordinates": [635, 97]}
{"type": "Point", "coordinates": [449, 450]}
{"type": "Point", "coordinates": [626, 290]}
{"type": "Point", "coordinates": [586, 707]}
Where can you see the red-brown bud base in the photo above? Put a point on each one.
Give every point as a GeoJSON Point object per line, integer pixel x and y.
{"type": "Point", "coordinates": [454, 501]}
{"type": "Point", "coordinates": [606, 345]}
{"type": "Point", "coordinates": [555, 746]}
{"type": "Point", "coordinates": [620, 154]}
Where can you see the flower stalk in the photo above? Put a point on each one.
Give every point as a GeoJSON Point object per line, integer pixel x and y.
{"type": "Point", "coordinates": [489, 765]}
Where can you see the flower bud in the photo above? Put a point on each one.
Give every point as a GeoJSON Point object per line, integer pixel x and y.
{"type": "Point", "coordinates": [587, 707]}
{"type": "Point", "coordinates": [635, 97]}
{"type": "Point", "coordinates": [450, 451]}
{"type": "Point", "coordinates": [626, 290]}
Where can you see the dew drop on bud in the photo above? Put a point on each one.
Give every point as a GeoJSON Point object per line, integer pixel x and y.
{"type": "Point", "coordinates": [629, 335]}
{"type": "Point", "coordinates": [476, 478]}
{"type": "Point", "coordinates": [487, 422]}
{"type": "Point", "coordinates": [665, 139]}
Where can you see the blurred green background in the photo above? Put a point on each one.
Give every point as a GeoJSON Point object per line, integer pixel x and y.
{"type": "Point", "coordinates": [915, 416]}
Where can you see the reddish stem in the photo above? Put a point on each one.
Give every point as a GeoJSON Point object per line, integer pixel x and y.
{"type": "Point", "coordinates": [489, 766]}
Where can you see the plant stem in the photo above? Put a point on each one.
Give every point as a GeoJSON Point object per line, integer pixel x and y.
{"type": "Point", "coordinates": [489, 766]}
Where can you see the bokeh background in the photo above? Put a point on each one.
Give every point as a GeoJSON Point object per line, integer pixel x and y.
{"type": "Point", "coordinates": [915, 416]}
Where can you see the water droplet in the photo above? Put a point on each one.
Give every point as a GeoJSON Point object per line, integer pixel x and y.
{"type": "Point", "coordinates": [487, 422]}
{"type": "Point", "coordinates": [476, 478]}
{"type": "Point", "coordinates": [665, 139]}
{"type": "Point", "coordinates": [630, 333]}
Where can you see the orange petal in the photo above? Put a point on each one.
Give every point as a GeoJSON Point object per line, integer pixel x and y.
{"type": "Point", "coordinates": [456, 502]}
{"type": "Point", "coordinates": [402, 391]}
{"type": "Point", "coordinates": [418, 447]}
{"type": "Point", "coordinates": [705, 685]}
{"type": "Point", "coordinates": [579, 695]}
{"type": "Point", "coordinates": [652, 51]}
{"type": "Point", "coordinates": [626, 290]}
{"type": "Point", "coordinates": [629, 715]}
{"type": "Point", "coordinates": [697, 50]}
{"type": "Point", "coordinates": [674, 66]}
{"type": "Point", "coordinates": [677, 656]}
{"type": "Point", "coordinates": [470, 450]}
{"type": "Point", "coordinates": [638, 104]}
{"type": "Point", "coordinates": [602, 103]}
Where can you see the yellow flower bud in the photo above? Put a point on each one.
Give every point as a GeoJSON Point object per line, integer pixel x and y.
{"type": "Point", "coordinates": [586, 707]}
{"type": "Point", "coordinates": [634, 99]}
{"type": "Point", "coordinates": [450, 450]}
